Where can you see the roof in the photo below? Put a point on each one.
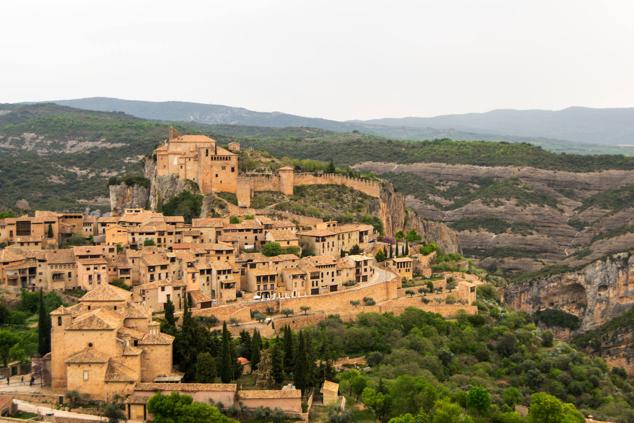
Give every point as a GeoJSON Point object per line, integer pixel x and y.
{"type": "Point", "coordinates": [282, 235]}
{"type": "Point", "coordinates": [106, 293]}
{"type": "Point", "coordinates": [157, 339]}
{"type": "Point", "coordinates": [317, 232]}
{"type": "Point", "coordinates": [100, 319]}
{"type": "Point", "coordinates": [88, 355]}
{"type": "Point", "coordinates": [118, 372]}
{"type": "Point", "coordinates": [60, 256]}
{"type": "Point", "coordinates": [187, 387]}
{"type": "Point", "coordinates": [401, 259]}
{"type": "Point", "coordinates": [270, 393]}
{"type": "Point", "coordinates": [155, 259]}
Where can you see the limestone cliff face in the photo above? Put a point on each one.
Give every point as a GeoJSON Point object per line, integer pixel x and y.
{"type": "Point", "coordinates": [395, 215]}
{"type": "Point", "coordinates": [596, 292]}
{"type": "Point", "coordinates": [163, 188]}
{"type": "Point", "coordinates": [123, 196]}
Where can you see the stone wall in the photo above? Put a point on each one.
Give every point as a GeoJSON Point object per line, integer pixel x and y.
{"type": "Point", "coordinates": [371, 188]}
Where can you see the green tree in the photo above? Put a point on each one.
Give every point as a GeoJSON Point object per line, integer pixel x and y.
{"type": "Point", "coordinates": [226, 365]}
{"type": "Point", "coordinates": [300, 373]}
{"type": "Point", "coordinates": [355, 250]}
{"type": "Point", "coordinates": [148, 243]}
{"type": "Point", "coordinates": [289, 350]}
{"type": "Point", "coordinates": [412, 236]}
{"type": "Point", "coordinates": [7, 341]}
{"type": "Point", "coordinates": [377, 402]}
{"type": "Point", "coordinates": [168, 309]}
{"type": "Point", "coordinates": [304, 309]}
{"type": "Point", "coordinates": [205, 368]}
{"type": "Point", "coordinates": [287, 312]}
{"type": "Point", "coordinates": [185, 204]}
{"type": "Point", "coordinates": [114, 413]}
{"type": "Point", "coordinates": [478, 399]}
{"type": "Point", "coordinates": [271, 249]}
{"type": "Point", "coordinates": [177, 408]}
{"type": "Point", "coordinates": [399, 236]}
{"type": "Point", "coordinates": [447, 412]}
{"type": "Point", "coordinates": [43, 328]}
{"type": "Point", "coordinates": [546, 408]}
{"type": "Point", "coordinates": [331, 167]}
{"type": "Point", "coordinates": [256, 347]}
{"type": "Point", "coordinates": [380, 255]}
{"type": "Point", "coordinates": [277, 363]}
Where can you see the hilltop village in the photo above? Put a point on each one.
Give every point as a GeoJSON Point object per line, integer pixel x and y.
{"type": "Point", "coordinates": [250, 269]}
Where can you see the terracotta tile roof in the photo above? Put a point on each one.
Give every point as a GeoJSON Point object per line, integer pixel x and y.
{"type": "Point", "coordinates": [137, 311]}
{"type": "Point", "coordinates": [209, 222]}
{"type": "Point", "coordinates": [92, 262]}
{"type": "Point", "coordinates": [130, 333]}
{"type": "Point", "coordinates": [270, 393]}
{"type": "Point", "coordinates": [10, 254]}
{"type": "Point", "coordinates": [199, 297]}
{"type": "Point", "coordinates": [157, 339]}
{"type": "Point", "coordinates": [317, 232]}
{"type": "Point", "coordinates": [62, 256]}
{"type": "Point", "coordinates": [187, 387]}
{"type": "Point", "coordinates": [100, 319]}
{"type": "Point", "coordinates": [106, 293]}
{"type": "Point", "coordinates": [155, 259]}
{"type": "Point", "coordinates": [330, 386]}
{"type": "Point", "coordinates": [281, 235]}
{"type": "Point", "coordinates": [88, 355]}
{"type": "Point", "coordinates": [118, 372]}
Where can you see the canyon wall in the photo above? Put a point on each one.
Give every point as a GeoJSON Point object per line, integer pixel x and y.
{"type": "Point", "coordinates": [596, 293]}
{"type": "Point", "coordinates": [127, 196]}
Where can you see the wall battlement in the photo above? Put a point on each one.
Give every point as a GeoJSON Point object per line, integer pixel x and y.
{"type": "Point", "coordinates": [285, 181]}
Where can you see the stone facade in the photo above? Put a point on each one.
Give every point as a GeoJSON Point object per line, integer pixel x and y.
{"type": "Point", "coordinates": [105, 344]}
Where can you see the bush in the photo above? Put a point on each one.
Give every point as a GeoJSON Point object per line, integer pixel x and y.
{"type": "Point", "coordinates": [185, 204]}
{"type": "Point", "coordinates": [369, 301]}
{"type": "Point", "coordinates": [558, 318]}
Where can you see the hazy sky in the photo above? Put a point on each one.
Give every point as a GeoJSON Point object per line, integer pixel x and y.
{"type": "Point", "coordinates": [340, 59]}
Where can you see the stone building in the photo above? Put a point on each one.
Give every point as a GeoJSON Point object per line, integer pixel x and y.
{"type": "Point", "coordinates": [330, 238]}
{"type": "Point", "coordinates": [199, 159]}
{"type": "Point", "coordinates": [105, 344]}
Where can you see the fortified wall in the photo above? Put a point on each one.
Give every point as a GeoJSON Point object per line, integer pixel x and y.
{"type": "Point", "coordinates": [286, 180]}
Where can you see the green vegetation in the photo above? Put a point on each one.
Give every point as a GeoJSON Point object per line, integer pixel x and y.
{"type": "Point", "coordinates": [263, 199]}
{"type": "Point", "coordinates": [228, 197]}
{"type": "Point", "coordinates": [610, 332]}
{"type": "Point", "coordinates": [185, 204]}
{"type": "Point", "coordinates": [559, 318]}
{"type": "Point", "coordinates": [613, 233]}
{"type": "Point", "coordinates": [490, 191]}
{"type": "Point", "coordinates": [330, 202]}
{"type": "Point", "coordinates": [130, 180]}
{"type": "Point", "coordinates": [491, 224]}
{"type": "Point", "coordinates": [611, 199]}
{"type": "Point", "coordinates": [181, 408]}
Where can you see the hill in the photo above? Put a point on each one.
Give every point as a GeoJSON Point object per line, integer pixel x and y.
{"type": "Point", "coordinates": [608, 128]}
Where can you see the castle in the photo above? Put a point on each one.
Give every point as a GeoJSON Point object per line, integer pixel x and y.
{"type": "Point", "coordinates": [199, 159]}
{"type": "Point", "coordinates": [215, 169]}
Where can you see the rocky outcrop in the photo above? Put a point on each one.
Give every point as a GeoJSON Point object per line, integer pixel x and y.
{"type": "Point", "coordinates": [547, 227]}
{"type": "Point", "coordinates": [124, 196]}
{"type": "Point", "coordinates": [596, 293]}
{"type": "Point", "coordinates": [395, 215]}
{"type": "Point", "coordinates": [162, 188]}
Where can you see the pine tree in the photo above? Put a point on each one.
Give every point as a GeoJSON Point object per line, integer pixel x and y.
{"type": "Point", "coordinates": [301, 364]}
{"type": "Point", "coordinates": [256, 347]}
{"type": "Point", "coordinates": [277, 363]}
{"type": "Point", "coordinates": [43, 328]}
{"type": "Point", "coordinates": [289, 349]}
{"type": "Point", "coordinates": [226, 369]}
{"type": "Point", "coordinates": [331, 167]}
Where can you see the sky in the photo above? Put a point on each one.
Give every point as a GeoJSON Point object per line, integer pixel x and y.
{"type": "Point", "coordinates": [337, 59]}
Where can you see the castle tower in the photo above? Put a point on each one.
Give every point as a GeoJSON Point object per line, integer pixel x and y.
{"type": "Point", "coordinates": [287, 180]}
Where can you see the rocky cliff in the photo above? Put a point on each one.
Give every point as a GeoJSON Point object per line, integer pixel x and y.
{"type": "Point", "coordinates": [520, 219]}
{"type": "Point", "coordinates": [395, 215]}
{"type": "Point", "coordinates": [124, 196]}
{"type": "Point", "coordinates": [165, 187]}
{"type": "Point", "coordinates": [596, 293]}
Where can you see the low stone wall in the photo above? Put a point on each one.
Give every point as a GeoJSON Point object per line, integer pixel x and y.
{"type": "Point", "coordinates": [371, 188]}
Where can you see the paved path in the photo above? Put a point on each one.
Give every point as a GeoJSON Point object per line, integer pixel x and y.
{"type": "Point", "coordinates": [43, 411]}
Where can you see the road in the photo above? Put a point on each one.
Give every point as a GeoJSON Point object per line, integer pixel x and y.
{"type": "Point", "coordinates": [43, 411]}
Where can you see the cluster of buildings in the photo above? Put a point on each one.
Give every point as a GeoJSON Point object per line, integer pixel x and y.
{"type": "Point", "coordinates": [161, 258]}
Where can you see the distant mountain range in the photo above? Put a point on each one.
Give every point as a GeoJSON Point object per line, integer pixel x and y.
{"type": "Point", "coordinates": [562, 130]}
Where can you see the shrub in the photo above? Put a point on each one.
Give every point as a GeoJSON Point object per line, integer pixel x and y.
{"type": "Point", "coordinates": [369, 301]}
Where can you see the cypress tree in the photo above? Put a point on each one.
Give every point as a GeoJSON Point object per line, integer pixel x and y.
{"type": "Point", "coordinates": [245, 344]}
{"type": "Point", "coordinates": [169, 313]}
{"type": "Point", "coordinates": [301, 364]}
{"type": "Point", "coordinates": [226, 366]}
{"type": "Point", "coordinates": [277, 362]}
{"type": "Point", "coordinates": [289, 349]}
{"type": "Point", "coordinates": [43, 328]}
{"type": "Point", "coordinates": [256, 346]}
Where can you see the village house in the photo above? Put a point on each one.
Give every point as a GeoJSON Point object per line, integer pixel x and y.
{"type": "Point", "coordinates": [330, 238]}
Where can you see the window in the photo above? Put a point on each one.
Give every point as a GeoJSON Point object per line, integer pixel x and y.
{"type": "Point", "coordinates": [85, 375]}
{"type": "Point", "coordinates": [90, 344]}
{"type": "Point", "coordinates": [59, 320]}
{"type": "Point", "coordinates": [23, 228]}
